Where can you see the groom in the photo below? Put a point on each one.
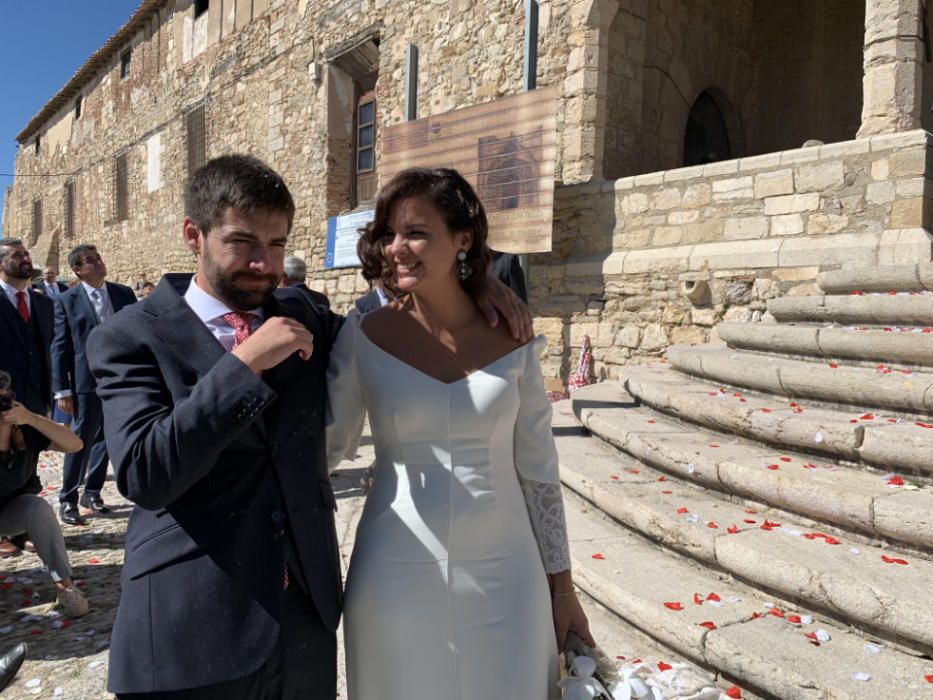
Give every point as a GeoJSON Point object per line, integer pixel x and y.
{"type": "Point", "coordinates": [214, 417]}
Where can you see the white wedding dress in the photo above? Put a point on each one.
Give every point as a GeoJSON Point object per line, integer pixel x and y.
{"type": "Point", "coordinates": [447, 597]}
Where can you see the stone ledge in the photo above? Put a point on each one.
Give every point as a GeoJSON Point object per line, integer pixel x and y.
{"type": "Point", "coordinates": [903, 278]}
{"type": "Point", "coordinates": [846, 385]}
{"type": "Point", "coordinates": [867, 310]}
{"type": "Point", "coordinates": [844, 497]}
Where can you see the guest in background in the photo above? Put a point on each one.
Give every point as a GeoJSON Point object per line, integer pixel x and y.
{"type": "Point", "coordinates": [77, 312]}
{"type": "Point", "coordinates": [296, 271]}
{"type": "Point", "coordinates": [139, 286]}
{"type": "Point", "coordinates": [49, 284]}
{"type": "Point", "coordinates": [375, 299]}
{"type": "Point", "coordinates": [506, 268]}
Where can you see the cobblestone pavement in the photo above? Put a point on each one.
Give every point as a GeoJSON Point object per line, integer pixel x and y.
{"type": "Point", "coordinates": [68, 658]}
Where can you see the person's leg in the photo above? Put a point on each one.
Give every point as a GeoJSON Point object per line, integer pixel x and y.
{"type": "Point", "coordinates": [75, 462]}
{"type": "Point", "coordinates": [309, 651]}
{"type": "Point", "coordinates": [97, 454]}
{"type": "Point", "coordinates": [247, 688]}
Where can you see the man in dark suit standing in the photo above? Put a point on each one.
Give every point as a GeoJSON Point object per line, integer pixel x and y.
{"type": "Point", "coordinates": [26, 322]}
{"type": "Point", "coordinates": [506, 268]}
{"type": "Point", "coordinates": [78, 311]}
{"type": "Point", "coordinates": [49, 284]}
{"type": "Point", "coordinates": [214, 414]}
{"type": "Point", "coordinates": [295, 274]}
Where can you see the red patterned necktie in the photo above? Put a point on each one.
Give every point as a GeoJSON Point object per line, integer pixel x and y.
{"type": "Point", "coordinates": [21, 305]}
{"type": "Point", "coordinates": [241, 323]}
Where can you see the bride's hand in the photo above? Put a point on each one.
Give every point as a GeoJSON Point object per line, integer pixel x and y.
{"type": "Point", "coordinates": [569, 617]}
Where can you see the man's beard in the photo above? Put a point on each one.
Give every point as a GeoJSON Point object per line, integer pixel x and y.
{"type": "Point", "coordinates": [234, 297]}
{"type": "Point", "coordinates": [19, 272]}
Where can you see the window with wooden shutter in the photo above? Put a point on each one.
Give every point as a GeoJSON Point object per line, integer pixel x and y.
{"type": "Point", "coordinates": [197, 138]}
{"type": "Point", "coordinates": [121, 188]}
{"type": "Point", "coordinates": [365, 142]}
{"type": "Point", "coordinates": [69, 207]}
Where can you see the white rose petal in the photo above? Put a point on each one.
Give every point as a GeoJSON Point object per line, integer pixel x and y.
{"type": "Point", "coordinates": [33, 683]}
{"type": "Point", "coordinates": [823, 635]}
{"type": "Point", "coordinates": [861, 676]}
{"type": "Point", "coordinates": [872, 648]}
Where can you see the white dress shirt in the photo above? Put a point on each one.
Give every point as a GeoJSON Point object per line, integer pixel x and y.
{"type": "Point", "coordinates": [11, 293]}
{"type": "Point", "coordinates": [51, 290]}
{"type": "Point", "coordinates": [211, 310]}
{"type": "Point", "coordinates": [99, 299]}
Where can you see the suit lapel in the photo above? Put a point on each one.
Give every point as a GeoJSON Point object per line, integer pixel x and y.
{"type": "Point", "coordinates": [11, 317]}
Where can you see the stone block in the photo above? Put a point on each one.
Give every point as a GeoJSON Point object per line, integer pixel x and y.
{"type": "Point", "coordinates": [733, 188]}
{"type": "Point", "coordinates": [819, 223]}
{"type": "Point", "coordinates": [880, 169]}
{"type": "Point", "coordinates": [774, 183]}
{"type": "Point", "coordinates": [761, 162]}
{"type": "Point", "coordinates": [880, 192]}
{"type": "Point", "coordinates": [704, 231]}
{"type": "Point", "coordinates": [649, 179]}
{"type": "Point", "coordinates": [667, 236]}
{"type": "Point", "coordinates": [688, 335]}
{"type": "Point", "coordinates": [697, 195]}
{"type": "Point", "coordinates": [657, 260]}
{"type": "Point", "coordinates": [724, 167]}
{"type": "Point", "coordinates": [751, 254]}
{"type": "Point", "coordinates": [654, 338]}
{"type": "Point", "coordinates": [908, 162]}
{"type": "Point", "coordinates": [668, 198]}
{"type": "Point", "coordinates": [820, 176]}
{"type": "Point", "coordinates": [904, 139]}
{"type": "Point", "coordinates": [679, 174]}
{"type": "Point", "coordinates": [912, 187]}
{"type": "Point", "coordinates": [786, 225]}
{"type": "Point", "coordinates": [704, 317]}
{"type": "Point", "coordinates": [628, 337]}
{"type": "Point", "coordinates": [846, 249]}
{"type": "Point", "coordinates": [905, 246]}
{"type": "Point", "coordinates": [633, 203]}
{"type": "Point", "coordinates": [746, 227]}
{"type": "Point", "coordinates": [792, 204]}
{"type": "Point", "coordinates": [907, 213]}
{"type": "Point", "coordinates": [844, 148]}
{"type": "Point", "coordinates": [678, 218]}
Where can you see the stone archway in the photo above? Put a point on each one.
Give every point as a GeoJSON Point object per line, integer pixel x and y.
{"type": "Point", "coordinates": [713, 130]}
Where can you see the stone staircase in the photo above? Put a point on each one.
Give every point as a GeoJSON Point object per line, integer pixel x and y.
{"type": "Point", "coordinates": [763, 507]}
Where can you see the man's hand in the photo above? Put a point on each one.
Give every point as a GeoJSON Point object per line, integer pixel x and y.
{"type": "Point", "coordinates": [17, 415]}
{"type": "Point", "coordinates": [275, 341]}
{"type": "Point", "coordinates": [66, 404]}
{"type": "Point", "coordinates": [496, 298]}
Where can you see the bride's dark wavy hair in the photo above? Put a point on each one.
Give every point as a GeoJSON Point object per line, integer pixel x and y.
{"type": "Point", "coordinates": [458, 205]}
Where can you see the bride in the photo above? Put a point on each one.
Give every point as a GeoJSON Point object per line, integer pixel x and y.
{"type": "Point", "coordinates": [459, 585]}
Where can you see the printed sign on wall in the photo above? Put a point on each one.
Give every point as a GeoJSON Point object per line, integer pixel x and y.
{"type": "Point", "coordinates": [505, 148]}
{"type": "Point", "coordinates": [342, 234]}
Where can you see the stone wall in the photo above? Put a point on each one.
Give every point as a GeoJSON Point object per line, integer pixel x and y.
{"type": "Point", "coordinates": [660, 258]}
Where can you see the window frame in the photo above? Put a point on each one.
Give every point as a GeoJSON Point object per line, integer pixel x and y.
{"type": "Point", "coordinates": [121, 187]}
{"type": "Point", "coordinates": [126, 60]}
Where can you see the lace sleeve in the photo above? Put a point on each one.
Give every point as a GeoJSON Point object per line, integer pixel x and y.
{"type": "Point", "coordinates": [546, 511]}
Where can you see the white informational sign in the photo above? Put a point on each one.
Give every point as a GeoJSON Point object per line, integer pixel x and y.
{"type": "Point", "coordinates": [343, 232]}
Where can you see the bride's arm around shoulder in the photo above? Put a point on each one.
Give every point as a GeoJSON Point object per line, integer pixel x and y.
{"type": "Point", "coordinates": [346, 403]}
{"type": "Point", "coordinates": [539, 475]}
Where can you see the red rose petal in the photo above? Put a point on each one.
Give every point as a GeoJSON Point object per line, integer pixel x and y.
{"type": "Point", "coordinates": [765, 410]}
{"type": "Point", "coordinates": [749, 521]}
{"type": "Point", "coordinates": [924, 425]}
{"type": "Point", "coordinates": [663, 666]}
{"type": "Point", "coordinates": [713, 445]}
{"type": "Point", "coordinates": [683, 510]}
{"type": "Point", "coordinates": [667, 493]}
{"type": "Point", "coordinates": [786, 459]}
{"type": "Point", "coordinates": [598, 556]}
{"type": "Point", "coordinates": [93, 560]}
{"type": "Point", "coordinates": [892, 560]}
{"type": "Point", "coordinates": [732, 529]}
{"type": "Point", "coordinates": [867, 416]}
{"type": "Point", "coordinates": [632, 471]}
{"type": "Point", "coordinates": [773, 467]}
{"type": "Point", "coordinates": [652, 421]}
{"type": "Point", "coordinates": [928, 678]}
{"type": "Point", "coordinates": [833, 365]}
{"type": "Point", "coordinates": [811, 636]}
{"type": "Point", "coordinates": [662, 478]}
{"type": "Point", "coordinates": [755, 615]}
{"type": "Point", "coordinates": [794, 618]}
{"type": "Point", "coordinates": [673, 606]}
{"type": "Point", "coordinates": [35, 632]}
{"type": "Point", "coordinates": [697, 600]}
{"type": "Point", "coordinates": [776, 612]}
{"type": "Point", "coordinates": [734, 692]}
{"type": "Point", "coordinates": [751, 511]}
{"type": "Point", "coordinates": [712, 526]}
{"type": "Point", "coordinates": [830, 540]}
{"type": "Point", "coordinates": [614, 477]}
{"type": "Point", "coordinates": [708, 625]}
{"type": "Point", "coordinates": [715, 598]}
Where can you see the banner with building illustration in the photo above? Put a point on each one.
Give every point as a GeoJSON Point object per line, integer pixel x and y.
{"type": "Point", "coordinates": [505, 148]}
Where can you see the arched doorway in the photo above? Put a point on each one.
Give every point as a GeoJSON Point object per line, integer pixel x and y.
{"type": "Point", "coordinates": [706, 139]}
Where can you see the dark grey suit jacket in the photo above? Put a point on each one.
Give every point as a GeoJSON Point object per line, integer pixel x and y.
{"type": "Point", "coordinates": [74, 320]}
{"type": "Point", "coordinates": [222, 466]}
{"type": "Point", "coordinates": [20, 358]}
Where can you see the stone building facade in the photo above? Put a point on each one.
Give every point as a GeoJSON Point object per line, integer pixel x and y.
{"type": "Point", "coordinates": [683, 194]}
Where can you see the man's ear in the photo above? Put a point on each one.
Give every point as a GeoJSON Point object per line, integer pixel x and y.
{"type": "Point", "coordinates": [191, 235]}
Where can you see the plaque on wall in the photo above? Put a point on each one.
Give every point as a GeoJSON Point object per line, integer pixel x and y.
{"type": "Point", "coordinates": [505, 148]}
{"type": "Point", "coordinates": [343, 232]}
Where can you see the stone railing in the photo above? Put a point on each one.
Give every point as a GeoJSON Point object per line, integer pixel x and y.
{"type": "Point", "coordinates": [648, 260]}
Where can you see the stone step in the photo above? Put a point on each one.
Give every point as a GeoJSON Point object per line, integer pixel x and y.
{"type": "Point", "coordinates": [903, 390]}
{"type": "Point", "coordinates": [885, 310]}
{"type": "Point", "coordinates": [739, 634]}
{"type": "Point", "coordinates": [905, 346]}
{"type": "Point", "coordinates": [842, 497]}
{"type": "Point", "coordinates": [798, 560]}
{"type": "Point", "coordinates": [886, 441]}
{"type": "Point", "coordinates": [884, 278]}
